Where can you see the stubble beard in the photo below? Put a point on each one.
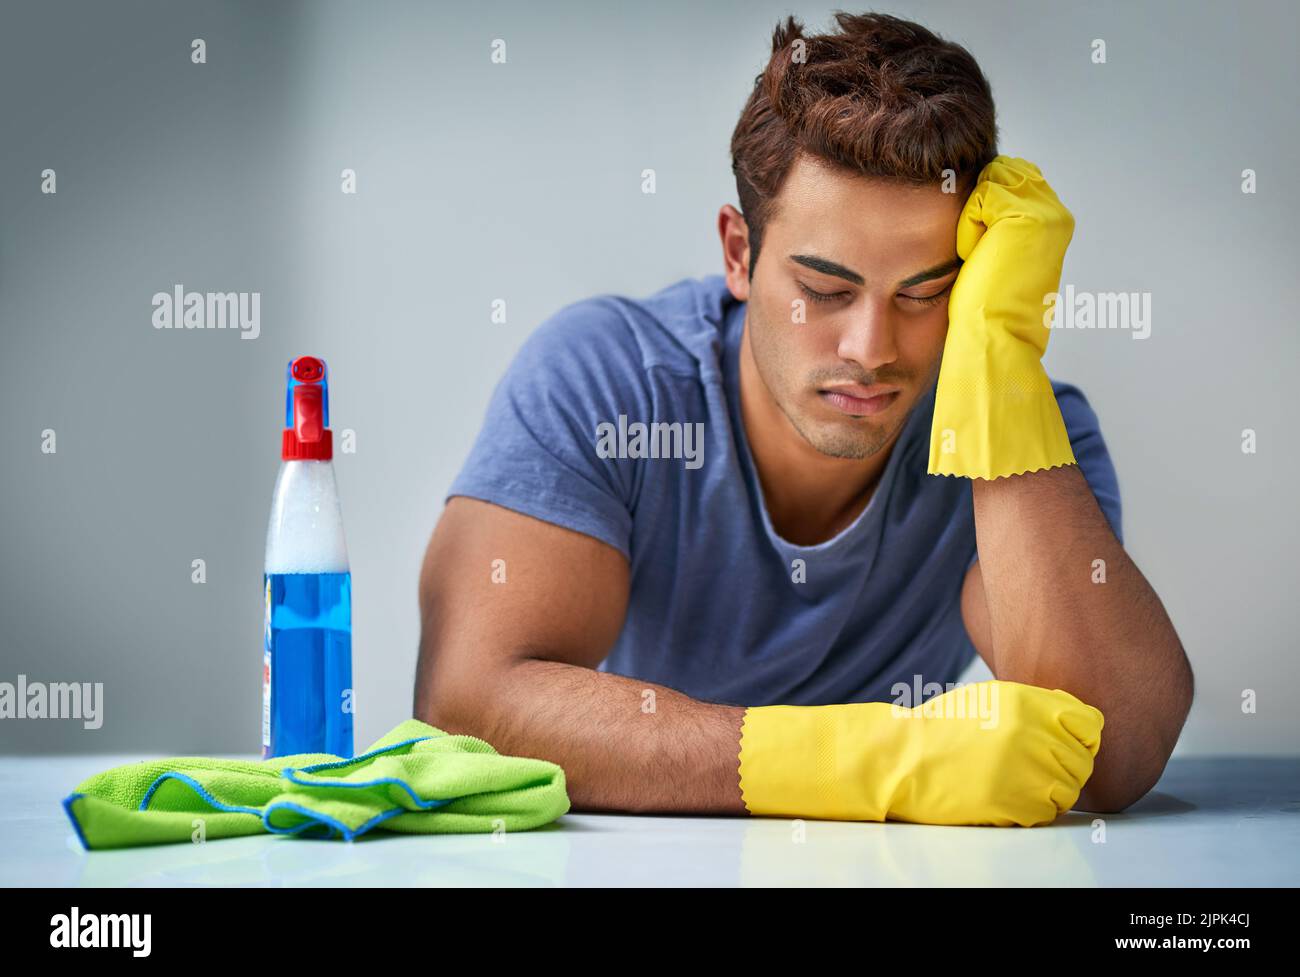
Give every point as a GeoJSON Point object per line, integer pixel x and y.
{"type": "Point", "coordinates": [844, 440]}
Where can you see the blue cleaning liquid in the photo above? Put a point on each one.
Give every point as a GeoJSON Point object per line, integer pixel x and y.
{"type": "Point", "coordinates": [308, 664]}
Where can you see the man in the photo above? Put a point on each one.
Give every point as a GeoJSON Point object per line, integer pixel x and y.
{"type": "Point", "coordinates": [702, 538]}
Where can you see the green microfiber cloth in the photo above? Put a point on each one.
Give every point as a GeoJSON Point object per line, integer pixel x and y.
{"type": "Point", "coordinates": [415, 780]}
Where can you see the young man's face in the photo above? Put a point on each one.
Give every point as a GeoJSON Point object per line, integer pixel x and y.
{"type": "Point", "coordinates": [870, 265]}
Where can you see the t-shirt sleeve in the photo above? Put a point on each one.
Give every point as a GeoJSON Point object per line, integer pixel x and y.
{"type": "Point", "coordinates": [1090, 452]}
{"type": "Point", "coordinates": [536, 451]}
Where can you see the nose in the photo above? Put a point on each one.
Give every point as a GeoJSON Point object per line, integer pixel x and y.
{"type": "Point", "coordinates": [869, 338]}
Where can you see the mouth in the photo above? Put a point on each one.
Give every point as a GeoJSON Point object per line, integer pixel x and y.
{"type": "Point", "coordinates": [856, 400]}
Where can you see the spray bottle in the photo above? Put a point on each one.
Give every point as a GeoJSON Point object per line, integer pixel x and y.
{"type": "Point", "coordinates": [307, 656]}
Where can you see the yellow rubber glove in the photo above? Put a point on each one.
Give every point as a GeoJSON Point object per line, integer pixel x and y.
{"type": "Point", "coordinates": [995, 752]}
{"type": "Point", "coordinates": [994, 410]}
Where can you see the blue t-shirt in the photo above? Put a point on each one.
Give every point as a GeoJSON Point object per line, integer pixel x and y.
{"type": "Point", "coordinates": [715, 609]}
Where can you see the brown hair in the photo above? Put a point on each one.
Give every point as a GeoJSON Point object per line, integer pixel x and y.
{"type": "Point", "coordinates": [884, 98]}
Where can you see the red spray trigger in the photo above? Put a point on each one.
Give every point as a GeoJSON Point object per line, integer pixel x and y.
{"type": "Point", "coordinates": [307, 423]}
{"type": "Point", "coordinates": [307, 434]}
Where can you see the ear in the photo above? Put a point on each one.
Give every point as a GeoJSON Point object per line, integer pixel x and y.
{"type": "Point", "coordinates": [734, 232]}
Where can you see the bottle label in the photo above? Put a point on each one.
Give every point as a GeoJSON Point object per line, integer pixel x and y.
{"type": "Point", "coordinates": [266, 676]}
{"type": "Point", "coordinates": [307, 665]}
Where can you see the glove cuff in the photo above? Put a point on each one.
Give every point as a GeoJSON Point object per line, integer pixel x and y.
{"type": "Point", "coordinates": [1004, 422]}
{"type": "Point", "coordinates": [810, 761]}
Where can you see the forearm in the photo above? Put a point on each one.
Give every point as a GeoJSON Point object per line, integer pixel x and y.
{"type": "Point", "coordinates": [1055, 625]}
{"type": "Point", "coordinates": [625, 745]}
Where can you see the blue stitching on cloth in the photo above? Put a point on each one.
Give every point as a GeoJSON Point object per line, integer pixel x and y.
{"type": "Point", "coordinates": [67, 808]}
{"type": "Point", "coordinates": [198, 788]}
{"type": "Point", "coordinates": [330, 764]}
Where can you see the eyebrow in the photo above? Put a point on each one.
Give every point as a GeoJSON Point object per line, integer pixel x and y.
{"type": "Point", "coordinates": [828, 267]}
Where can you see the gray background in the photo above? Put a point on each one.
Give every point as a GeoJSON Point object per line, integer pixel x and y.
{"type": "Point", "coordinates": [522, 181]}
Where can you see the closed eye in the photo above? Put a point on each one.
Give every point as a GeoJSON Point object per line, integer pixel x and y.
{"type": "Point", "coordinates": [821, 296]}
{"type": "Point", "coordinates": [934, 299]}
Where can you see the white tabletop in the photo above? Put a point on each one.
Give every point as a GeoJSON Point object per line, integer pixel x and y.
{"type": "Point", "coordinates": [1210, 821]}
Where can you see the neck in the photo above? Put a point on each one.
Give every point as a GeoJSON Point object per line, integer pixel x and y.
{"type": "Point", "coordinates": [810, 497]}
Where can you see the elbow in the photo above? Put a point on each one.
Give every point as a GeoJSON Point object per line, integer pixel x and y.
{"type": "Point", "coordinates": [1119, 785]}
{"type": "Point", "coordinates": [454, 708]}
{"type": "Point", "coordinates": [1101, 798]}
{"type": "Point", "coordinates": [459, 694]}
{"type": "Point", "coordinates": [455, 713]}
{"type": "Point", "coordinates": [1128, 774]}
{"type": "Point", "coordinates": [441, 700]}
{"type": "Point", "coordinates": [437, 708]}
